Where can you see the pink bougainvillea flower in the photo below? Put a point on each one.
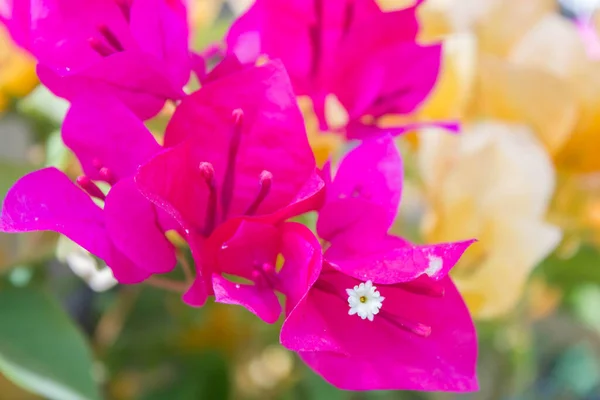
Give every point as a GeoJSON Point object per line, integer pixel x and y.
{"type": "Point", "coordinates": [238, 148]}
{"type": "Point", "coordinates": [136, 50]}
{"type": "Point", "coordinates": [251, 253]}
{"type": "Point", "coordinates": [383, 313]}
{"type": "Point", "coordinates": [348, 53]}
{"type": "Point", "coordinates": [128, 232]}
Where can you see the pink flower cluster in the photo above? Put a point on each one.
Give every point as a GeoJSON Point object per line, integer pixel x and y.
{"type": "Point", "coordinates": [363, 308]}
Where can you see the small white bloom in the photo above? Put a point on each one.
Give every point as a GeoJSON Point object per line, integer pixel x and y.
{"type": "Point", "coordinates": [98, 277]}
{"type": "Point", "coordinates": [435, 265]}
{"type": "Point", "coordinates": [364, 300]}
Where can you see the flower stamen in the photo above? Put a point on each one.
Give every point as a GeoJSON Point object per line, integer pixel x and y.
{"type": "Point", "coordinates": [110, 38]}
{"type": "Point", "coordinates": [207, 172]}
{"type": "Point", "coordinates": [234, 145]}
{"type": "Point", "coordinates": [415, 328]}
{"type": "Point", "coordinates": [265, 274]}
{"type": "Point", "coordinates": [107, 176]}
{"type": "Point", "coordinates": [100, 47]}
{"type": "Point", "coordinates": [265, 181]}
{"type": "Point", "coordinates": [90, 187]}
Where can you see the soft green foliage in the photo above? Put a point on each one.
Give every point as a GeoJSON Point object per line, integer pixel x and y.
{"type": "Point", "coordinates": [41, 349]}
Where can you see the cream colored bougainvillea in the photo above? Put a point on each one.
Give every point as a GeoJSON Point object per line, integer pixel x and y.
{"type": "Point", "coordinates": [494, 182]}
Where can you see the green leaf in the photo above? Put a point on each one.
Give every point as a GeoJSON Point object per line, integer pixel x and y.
{"type": "Point", "coordinates": [570, 273]}
{"type": "Point", "coordinates": [199, 376]}
{"type": "Point", "coordinates": [40, 348]}
{"type": "Point", "coordinates": [9, 174]}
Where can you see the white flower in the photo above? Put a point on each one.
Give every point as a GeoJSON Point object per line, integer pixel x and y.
{"type": "Point", "coordinates": [364, 300]}
{"type": "Point", "coordinates": [98, 277]}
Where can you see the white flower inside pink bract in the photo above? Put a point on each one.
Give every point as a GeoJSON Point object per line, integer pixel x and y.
{"type": "Point", "coordinates": [364, 300]}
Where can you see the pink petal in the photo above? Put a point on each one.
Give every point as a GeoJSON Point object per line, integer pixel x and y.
{"type": "Point", "coordinates": [273, 137]}
{"type": "Point", "coordinates": [261, 301]}
{"type": "Point", "coordinates": [372, 172]}
{"type": "Point", "coordinates": [205, 252]}
{"type": "Point", "coordinates": [46, 200]}
{"type": "Point", "coordinates": [198, 65]}
{"type": "Point", "coordinates": [310, 198]}
{"type": "Point", "coordinates": [303, 257]}
{"type": "Point", "coordinates": [353, 223]}
{"type": "Point", "coordinates": [197, 294]}
{"type": "Point", "coordinates": [131, 221]}
{"type": "Point", "coordinates": [306, 327]}
{"type": "Point", "coordinates": [401, 86]}
{"type": "Point", "coordinates": [160, 28]}
{"type": "Point", "coordinates": [60, 31]}
{"type": "Point", "coordinates": [360, 130]}
{"type": "Point", "coordinates": [372, 28]}
{"type": "Point", "coordinates": [396, 260]}
{"type": "Point", "coordinates": [173, 181]}
{"type": "Point", "coordinates": [229, 65]}
{"type": "Point", "coordinates": [124, 270]}
{"type": "Point", "coordinates": [387, 355]}
{"type": "Point", "coordinates": [269, 28]}
{"type": "Point", "coordinates": [252, 245]}
{"type": "Point", "coordinates": [134, 77]}
{"type": "Point", "coordinates": [102, 130]}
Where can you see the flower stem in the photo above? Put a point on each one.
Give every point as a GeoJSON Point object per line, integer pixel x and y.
{"type": "Point", "coordinates": [185, 265]}
{"type": "Point", "coordinates": [167, 284]}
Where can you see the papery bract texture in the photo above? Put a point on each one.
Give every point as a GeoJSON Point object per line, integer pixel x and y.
{"type": "Point", "coordinates": [238, 147]}
{"type": "Point", "coordinates": [383, 313]}
{"type": "Point", "coordinates": [347, 52]}
{"type": "Point", "coordinates": [135, 50]}
{"type": "Point", "coordinates": [127, 232]}
{"type": "Point", "coordinates": [496, 186]}
{"type": "Point", "coordinates": [422, 337]}
{"type": "Point", "coordinates": [252, 253]}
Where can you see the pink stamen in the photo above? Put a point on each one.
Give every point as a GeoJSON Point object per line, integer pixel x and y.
{"type": "Point", "coordinates": [234, 145]}
{"type": "Point", "coordinates": [256, 276]}
{"type": "Point", "coordinates": [97, 164]}
{"type": "Point", "coordinates": [315, 34]}
{"type": "Point", "coordinates": [265, 181]}
{"type": "Point", "coordinates": [107, 176]}
{"type": "Point", "coordinates": [90, 187]}
{"type": "Point", "coordinates": [415, 328]}
{"type": "Point", "coordinates": [207, 171]}
{"type": "Point", "coordinates": [100, 47]}
{"type": "Point", "coordinates": [265, 274]}
{"type": "Point", "coordinates": [268, 269]}
{"type": "Point", "coordinates": [110, 37]}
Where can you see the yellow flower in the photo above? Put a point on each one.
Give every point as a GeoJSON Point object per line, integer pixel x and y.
{"type": "Point", "coordinates": [203, 13]}
{"type": "Point", "coordinates": [531, 67]}
{"type": "Point", "coordinates": [17, 70]}
{"type": "Point", "coordinates": [494, 182]}
{"type": "Point", "coordinates": [454, 89]}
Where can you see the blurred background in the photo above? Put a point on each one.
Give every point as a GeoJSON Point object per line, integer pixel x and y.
{"type": "Point", "coordinates": [523, 77]}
